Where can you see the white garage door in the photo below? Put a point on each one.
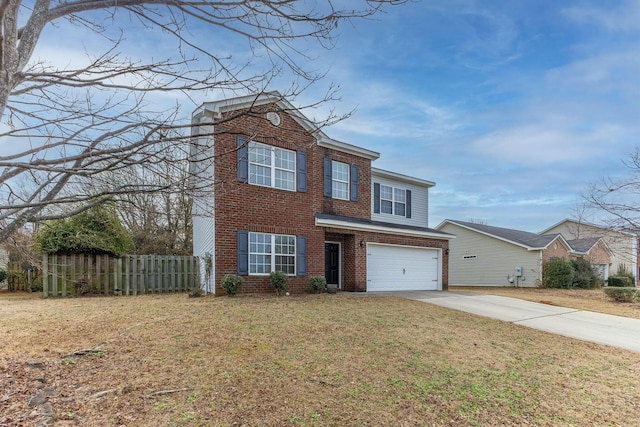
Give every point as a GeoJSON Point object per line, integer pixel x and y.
{"type": "Point", "coordinates": [401, 268]}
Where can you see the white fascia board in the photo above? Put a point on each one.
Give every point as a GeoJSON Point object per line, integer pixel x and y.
{"type": "Point", "coordinates": [326, 142]}
{"type": "Point", "coordinates": [335, 223]}
{"type": "Point", "coordinates": [238, 103]}
{"type": "Point", "coordinates": [232, 104]}
{"type": "Point", "coordinates": [401, 177]}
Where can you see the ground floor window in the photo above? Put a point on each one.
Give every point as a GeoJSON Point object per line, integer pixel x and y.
{"type": "Point", "coordinates": [272, 252]}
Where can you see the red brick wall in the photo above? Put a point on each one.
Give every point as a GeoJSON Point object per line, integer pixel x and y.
{"type": "Point", "coordinates": [599, 255]}
{"type": "Point", "coordinates": [354, 276]}
{"type": "Point", "coordinates": [555, 249]}
{"type": "Point", "coordinates": [243, 206]}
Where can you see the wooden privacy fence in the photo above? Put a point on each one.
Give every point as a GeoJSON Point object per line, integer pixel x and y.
{"type": "Point", "coordinates": [20, 276]}
{"type": "Point", "coordinates": [65, 275]}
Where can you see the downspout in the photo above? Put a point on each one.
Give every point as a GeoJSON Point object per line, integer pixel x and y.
{"type": "Point", "coordinates": [541, 266]}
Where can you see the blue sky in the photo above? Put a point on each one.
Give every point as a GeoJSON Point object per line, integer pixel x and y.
{"type": "Point", "coordinates": [512, 107]}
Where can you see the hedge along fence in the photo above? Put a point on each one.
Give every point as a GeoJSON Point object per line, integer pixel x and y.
{"type": "Point", "coordinates": [69, 275]}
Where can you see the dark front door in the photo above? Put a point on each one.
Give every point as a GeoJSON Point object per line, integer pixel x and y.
{"type": "Point", "coordinates": [332, 263]}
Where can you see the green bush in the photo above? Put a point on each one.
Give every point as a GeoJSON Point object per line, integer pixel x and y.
{"type": "Point", "coordinates": [620, 282]}
{"type": "Point", "coordinates": [279, 281]}
{"type": "Point", "coordinates": [231, 283]}
{"type": "Point", "coordinates": [623, 271]}
{"type": "Point", "coordinates": [37, 286]}
{"type": "Point", "coordinates": [317, 284]}
{"type": "Point", "coordinates": [584, 276]}
{"type": "Point", "coordinates": [3, 275]}
{"type": "Point", "coordinates": [622, 294]}
{"type": "Point", "coordinates": [96, 230]}
{"type": "Point", "coordinates": [557, 273]}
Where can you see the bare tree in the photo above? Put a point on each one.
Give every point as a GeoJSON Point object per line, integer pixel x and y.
{"type": "Point", "coordinates": [159, 221]}
{"type": "Point", "coordinates": [66, 129]}
{"type": "Point", "coordinates": [617, 199]}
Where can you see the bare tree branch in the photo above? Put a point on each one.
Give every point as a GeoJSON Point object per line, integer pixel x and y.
{"type": "Point", "coordinates": [74, 136]}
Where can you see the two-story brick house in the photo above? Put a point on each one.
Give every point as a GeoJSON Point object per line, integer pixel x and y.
{"type": "Point", "coordinates": [276, 193]}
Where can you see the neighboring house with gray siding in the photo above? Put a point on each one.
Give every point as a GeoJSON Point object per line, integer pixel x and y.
{"type": "Point", "coordinates": [484, 255]}
{"type": "Point", "coordinates": [622, 245]}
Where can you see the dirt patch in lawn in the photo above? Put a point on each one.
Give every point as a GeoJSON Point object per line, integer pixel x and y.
{"type": "Point", "coordinates": [582, 299]}
{"type": "Point", "coordinates": [312, 360]}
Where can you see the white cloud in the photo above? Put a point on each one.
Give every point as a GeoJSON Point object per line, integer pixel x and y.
{"type": "Point", "coordinates": [625, 18]}
{"type": "Point", "coordinates": [607, 72]}
{"type": "Point", "coordinates": [538, 144]}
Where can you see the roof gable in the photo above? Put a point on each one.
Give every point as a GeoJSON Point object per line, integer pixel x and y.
{"type": "Point", "coordinates": [584, 246]}
{"type": "Point", "coordinates": [602, 228]}
{"type": "Point", "coordinates": [217, 108]}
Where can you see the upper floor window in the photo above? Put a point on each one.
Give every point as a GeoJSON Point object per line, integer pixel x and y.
{"type": "Point", "coordinates": [393, 200]}
{"type": "Point", "coordinates": [339, 180]}
{"type": "Point", "coordinates": [272, 166]}
{"type": "Point", "coordinates": [271, 252]}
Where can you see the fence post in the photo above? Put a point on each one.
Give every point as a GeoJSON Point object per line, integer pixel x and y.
{"type": "Point", "coordinates": [61, 272]}
{"type": "Point", "coordinates": [45, 276]}
{"type": "Point", "coordinates": [54, 275]}
{"type": "Point", "coordinates": [117, 274]}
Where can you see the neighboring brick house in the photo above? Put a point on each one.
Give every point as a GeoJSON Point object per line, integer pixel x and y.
{"type": "Point", "coordinates": [484, 255]}
{"type": "Point", "coordinates": [594, 250]}
{"type": "Point", "coordinates": [622, 245]}
{"type": "Point", "coordinates": [275, 193]}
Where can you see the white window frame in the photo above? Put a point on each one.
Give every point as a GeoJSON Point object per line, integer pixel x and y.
{"type": "Point", "coordinates": [394, 201]}
{"type": "Point", "coordinates": [272, 254]}
{"type": "Point", "coordinates": [335, 180]}
{"type": "Point", "coordinates": [272, 165]}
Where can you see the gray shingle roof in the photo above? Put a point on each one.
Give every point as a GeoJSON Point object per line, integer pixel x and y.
{"type": "Point", "coordinates": [379, 223]}
{"type": "Point", "coordinates": [524, 238]}
{"type": "Point", "coordinates": [583, 245]}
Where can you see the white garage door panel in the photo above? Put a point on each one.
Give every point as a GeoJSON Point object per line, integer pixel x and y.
{"type": "Point", "coordinates": [394, 268]}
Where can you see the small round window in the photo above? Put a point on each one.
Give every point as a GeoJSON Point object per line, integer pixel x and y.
{"type": "Point", "coordinates": [274, 118]}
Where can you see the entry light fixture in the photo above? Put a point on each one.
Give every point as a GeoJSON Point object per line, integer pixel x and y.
{"type": "Point", "coordinates": [362, 243]}
{"type": "Point", "coordinates": [446, 251]}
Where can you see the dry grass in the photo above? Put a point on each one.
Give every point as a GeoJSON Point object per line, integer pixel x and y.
{"type": "Point", "coordinates": [313, 360]}
{"type": "Point", "coordinates": [582, 299]}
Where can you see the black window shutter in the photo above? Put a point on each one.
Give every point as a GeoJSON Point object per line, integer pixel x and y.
{"type": "Point", "coordinates": [302, 171]}
{"type": "Point", "coordinates": [301, 255]}
{"type": "Point", "coordinates": [243, 159]}
{"type": "Point", "coordinates": [355, 180]}
{"type": "Point", "coordinates": [408, 205]}
{"type": "Point", "coordinates": [327, 177]}
{"type": "Point", "coordinates": [243, 253]}
{"type": "Point", "coordinates": [376, 198]}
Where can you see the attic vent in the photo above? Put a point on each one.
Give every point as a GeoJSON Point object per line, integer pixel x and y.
{"type": "Point", "coordinates": [274, 118]}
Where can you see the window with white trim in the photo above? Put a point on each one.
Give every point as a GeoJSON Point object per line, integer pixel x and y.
{"type": "Point", "coordinates": [272, 252]}
{"type": "Point", "coordinates": [393, 200]}
{"type": "Point", "coordinates": [272, 166]}
{"type": "Point", "coordinates": [339, 180]}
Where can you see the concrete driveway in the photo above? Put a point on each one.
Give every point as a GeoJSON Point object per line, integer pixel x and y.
{"type": "Point", "coordinates": [616, 331]}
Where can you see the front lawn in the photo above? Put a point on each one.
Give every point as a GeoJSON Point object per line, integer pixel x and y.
{"type": "Point", "coordinates": [312, 360]}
